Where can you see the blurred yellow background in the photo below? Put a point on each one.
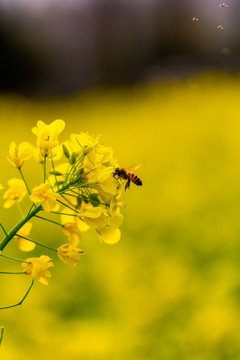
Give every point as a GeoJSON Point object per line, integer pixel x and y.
{"type": "Point", "coordinates": [170, 289]}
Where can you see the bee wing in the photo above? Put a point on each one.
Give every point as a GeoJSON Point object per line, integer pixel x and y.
{"type": "Point", "coordinates": [134, 167]}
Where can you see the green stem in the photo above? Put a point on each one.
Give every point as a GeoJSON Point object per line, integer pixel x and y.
{"type": "Point", "coordinates": [3, 229]}
{"type": "Point", "coordinates": [55, 212]}
{"type": "Point", "coordinates": [12, 258]}
{"type": "Point", "coordinates": [51, 221]}
{"type": "Point", "coordinates": [21, 301]}
{"type": "Point", "coordinates": [71, 195]}
{"type": "Point", "coordinates": [20, 210]}
{"type": "Point", "coordinates": [66, 199]}
{"type": "Point", "coordinates": [45, 168]}
{"type": "Point", "coordinates": [78, 195]}
{"type": "Point", "coordinates": [20, 170]}
{"type": "Point", "coordinates": [18, 226]}
{"type": "Point", "coordinates": [54, 171]}
{"type": "Point", "coordinates": [1, 335]}
{"type": "Point", "coordinates": [37, 243]}
{"type": "Point", "coordinates": [11, 273]}
{"type": "Point", "coordinates": [67, 206]}
{"type": "Point", "coordinates": [83, 151]}
{"type": "Point", "coordinates": [32, 213]}
{"type": "Point", "coordinates": [33, 205]}
{"type": "Point", "coordinates": [50, 184]}
{"type": "Point", "coordinates": [66, 175]}
{"type": "Point", "coordinates": [71, 173]}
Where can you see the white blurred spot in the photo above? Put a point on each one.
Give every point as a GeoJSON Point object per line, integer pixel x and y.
{"type": "Point", "coordinates": [220, 27]}
{"type": "Point", "coordinates": [195, 19]}
{"type": "Point", "coordinates": [223, 5]}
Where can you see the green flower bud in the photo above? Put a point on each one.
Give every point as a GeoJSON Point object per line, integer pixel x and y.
{"type": "Point", "coordinates": [65, 151]}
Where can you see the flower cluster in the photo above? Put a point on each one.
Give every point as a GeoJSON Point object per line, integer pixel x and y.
{"type": "Point", "coordinates": [77, 186]}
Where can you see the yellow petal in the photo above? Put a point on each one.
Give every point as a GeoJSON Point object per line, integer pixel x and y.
{"type": "Point", "coordinates": [25, 151]}
{"type": "Point", "coordinates": [109, 236]}
{"type": "Point", "coordinates": [105, 173]}
{"type": "Point", "coordinates": [25, 245]}
{"type": "Point", "coordinates": [36, 129]}
{"type": "Point", "coordinates": [59, 125]}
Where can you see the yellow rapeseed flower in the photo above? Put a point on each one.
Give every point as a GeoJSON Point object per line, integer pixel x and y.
{"type": "Point", "coordinates": [16, 192]}
{"type": "Point", "coordinates": [24, 244]}
{"type": "Point", "coordinates": [106, 223]}
{"type": "Point", "coordinates": [92, 216]}
{"type": "Point", "coordinates": [47, 135]}
{"type": "Point", "coordinates": [38, 268]}
{"type": "Point", "coordinates": [73, 227]}
{"type": "Point", "coordinates": [96, 152]}
{"type": "Point", "coordinates": [37, 156]}
{"type": "Point", "coordinates": [104, 178]}
{"type": "Point", "coordinates": [19, 154]}
{"type": "Point", "coordinates": [67, 217]}
{"type": "Point", "coordinates": [60, 169]}
{"type": "Point", "coordinates": [69, 254]}
{"type": "Point", "coordinates": [84, 142]}
{"type": "Point", "coordinates": [110, 234]}
{"type": "Point", "coordinates": [55, 153]}
{"type": "Point", "coordinates": [43, 195]}
{"type": "Point", "coordinates": [73, 233]}
{"type": "Point", "coordinates": [1, 187]}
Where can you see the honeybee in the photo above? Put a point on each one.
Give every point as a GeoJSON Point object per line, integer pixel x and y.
{"type": "Point", "coordinates": [128, 174]}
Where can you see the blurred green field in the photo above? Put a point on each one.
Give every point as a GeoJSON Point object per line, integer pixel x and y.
{"type": "Point", "coordinates": [170, 289]}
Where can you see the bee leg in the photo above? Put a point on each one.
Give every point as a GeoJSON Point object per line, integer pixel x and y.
{"type": "Point", "coordinates": [127, 184]}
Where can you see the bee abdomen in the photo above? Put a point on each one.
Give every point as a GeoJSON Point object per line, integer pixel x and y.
{"type": "Point", "coordinates": [138, 181]}
{"type": "Point", "coordinates": [135, 179]}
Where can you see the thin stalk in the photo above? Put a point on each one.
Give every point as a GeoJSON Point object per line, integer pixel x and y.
{"type": "Point", "coordinates": [3, 229]}
{"type": "Point", "coordinates": [71, 183]}
{"type": "Point", "coordinates": [45, 169]}
{"type": "Point", "coordinates": [54, 172]}
{"type": "Point", "coordinates": [86, 154]}
{"type": "Point", "coordinates": [78, 195]}
{"type": "Point", "coordinates": [87, 191]}
{"type": "Point", "coordinates": [55, 212]}
{"type": "Point", "coordinates": [30, 209]}
{"type": "Point", "coordinates": [51, 221]}
{"type": "Point", "coordinates": [37, 243]}
{"type": "Point", "coordinates": [20, 170]}
{"type": "Point", "coordinates": [11, 273]}
{"type": "Point", "coordinates": [71, 194]}
{"type": "Point", "coordinates": [89, 171]}
{"type": "Point", "coordinates": [50, 184]}
{"type": "Point", "coordinates": [19, 209]}
{"type": "Point", "coordinates": [67, 206]}
{"type": "Point", "coordinates": [66, 175]}
{"type": "Point", "coordinates": [34, 211]}
{"type": "Point", "coordinates": [74, 167]}
{"type": "Point", "coordinates": [1, 335]}
{"type": "Point", "coordinates": [21, 301]}
{"type": "Point", "coordinates": [12, 258]}
{"type": "Point", "coordinates": [66, 199]}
